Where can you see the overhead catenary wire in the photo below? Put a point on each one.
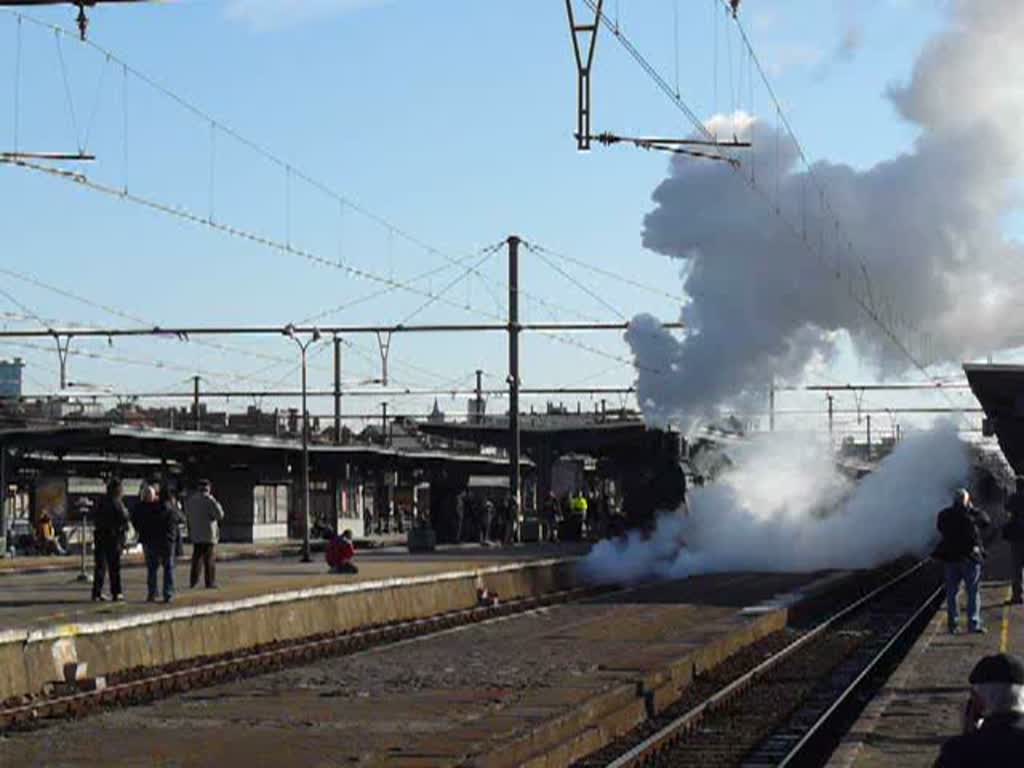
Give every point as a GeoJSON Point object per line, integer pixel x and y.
{"type": "Point", "coordinates": [275, 245]}
{"type": "Point", "coordinates": [701, 129]}
{"type": "Point", "coordinates": [290, 172]}
{"type": "Point", "coordinates": [618, 277]}
{"type": "Point", "coordinates": [579, 284]}
{"type": "Point", "coordinates": [488, 254]}
{"type": "Point", "coordinates": [106, 308]}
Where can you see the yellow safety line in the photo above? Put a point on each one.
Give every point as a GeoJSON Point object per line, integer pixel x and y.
{"type": "Point", "coordinates": [1004, 632]}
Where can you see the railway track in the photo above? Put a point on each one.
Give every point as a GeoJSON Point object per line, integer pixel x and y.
{"type": "Point", "coordinates": [143, 685]}
{"type": "Point", "coordinates": [786, 700]}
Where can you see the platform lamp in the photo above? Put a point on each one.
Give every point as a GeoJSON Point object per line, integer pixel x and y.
{"type": "Point", "coordinates": [291, 332]}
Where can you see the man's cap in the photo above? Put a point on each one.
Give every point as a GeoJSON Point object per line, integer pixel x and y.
{"type": "Point", "coordinates": [998, 668]}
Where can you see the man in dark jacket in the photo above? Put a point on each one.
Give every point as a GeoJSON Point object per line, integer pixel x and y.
{"type": "Point", "coordinates": [109, 527]}
{"type": "Point", "coordinates": [1013, 532]}
{"type": "Point", "coordinates": [993, 720]}
{"type": "Point", "coordinates": [962, 551]}
{"type": "Point", "coordinates": [156, 521]}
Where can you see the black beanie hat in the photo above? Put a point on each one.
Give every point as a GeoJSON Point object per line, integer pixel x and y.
{"type": "Point", "coordinates": [999, 668]}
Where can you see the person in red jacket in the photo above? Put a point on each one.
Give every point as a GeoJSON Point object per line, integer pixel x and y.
{"type": "Point", "coordinates": [341, 552]}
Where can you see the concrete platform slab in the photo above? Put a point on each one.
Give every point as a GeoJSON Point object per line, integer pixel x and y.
{"type": "Point", "coordinates": [259, 602]}
{"type": "Point", "coordinates": [537, 689]}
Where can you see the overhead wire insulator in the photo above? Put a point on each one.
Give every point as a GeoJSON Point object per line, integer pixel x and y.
{"type": "Point", "coordinates": [82, 21]}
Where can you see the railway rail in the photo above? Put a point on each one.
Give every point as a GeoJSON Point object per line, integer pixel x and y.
{"type": "Point", "coordinates": [143, 685]}
{"type": "Point", "coordinates": [784, 701]}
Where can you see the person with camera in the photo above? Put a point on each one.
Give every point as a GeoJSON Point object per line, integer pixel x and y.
{"type": "Point", "coordinates": [993, 720]}
{"type": "Point", "coordinates": [963, 552]}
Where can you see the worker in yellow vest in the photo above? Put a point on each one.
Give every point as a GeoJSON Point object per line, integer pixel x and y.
{"type": "Point", "coordinates": [578, 505]}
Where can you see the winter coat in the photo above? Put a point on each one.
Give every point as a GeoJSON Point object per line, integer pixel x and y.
{"type": "Point", "coordinates": [961, 537]}
{"type": "Point", "coordinates": [157, 524]}
{"type": "Point", "coordinates": [340, 551]}
{"type": "Point", "coordinates": [1014, 529]}
{"type": "Point", "coordinates": [110, 522]}
{"type": "Point", "coordinates": [999, 743]}
{"type": "Point", "coordinates": [203, 513]}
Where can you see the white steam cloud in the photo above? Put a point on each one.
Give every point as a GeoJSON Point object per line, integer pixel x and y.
{"type": "Point", "coordinates": [928, 226]}
{"type": "Point", "coordinates": [785, 507]}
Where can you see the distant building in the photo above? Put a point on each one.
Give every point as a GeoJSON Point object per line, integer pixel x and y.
{"type": "Point", "coordinates": [476, 409]}
{"type": "Point", "coordinates": [436, 414]}
{"type": "Point", "coordinates": [10, 378]}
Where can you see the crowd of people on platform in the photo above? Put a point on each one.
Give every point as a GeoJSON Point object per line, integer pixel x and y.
{"type": "Point", "coordinates": [156, 518]}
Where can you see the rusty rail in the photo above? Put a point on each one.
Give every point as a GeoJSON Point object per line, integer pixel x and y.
{"type": "Point", "coordinates": [652, 747]}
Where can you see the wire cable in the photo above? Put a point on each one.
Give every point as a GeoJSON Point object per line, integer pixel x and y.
{"type": "Point", "coordinates": [592, 294]}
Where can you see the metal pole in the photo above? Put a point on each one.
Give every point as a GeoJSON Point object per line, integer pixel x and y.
{"type": "Point", "coordinates": [3, 501]}
{"type": "Point", "coordinates": [478, 416]}
{"type": "Point", "coordinates": [771, 405]}
{"type": "Point", "coordinates": [195, 403]}
{"type": "Point", "coordinates": [62, 355]}
{"type": "Point", "coordinates": [305, 464]}
{"type": "Point", "coordinates": [337, 390]}
{"type": "Point", "coordinates": [83, 575]}
{"type": "Point", "coordinates": [869, 435]}
{"type": "Point", "coordinates": [384, 422]}
{"type": "Point", "coordinates": [830, 412]}
{"type": "Point", "coordinates": [513, 370]}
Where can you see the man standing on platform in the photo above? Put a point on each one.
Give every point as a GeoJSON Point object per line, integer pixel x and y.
{"type": "Point", "coordinates": [110, 525]}
{"type": "Point", "coordinates": [993, 719]}
{"type": "Point", "coordinates": [962, 551]}
{"type": "Point", "coordinates": [156, 521]}
{"type": "Point", "coordinates": [204, 514]}
{"type": "Point", "coordinates": [1013, 532]}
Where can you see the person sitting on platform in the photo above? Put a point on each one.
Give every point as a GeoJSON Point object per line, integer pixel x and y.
{"type": "Point", "coordinates": [341, 551]}
{"type": "Point", "coordinates": [993, 717]}
{"type": "Point", "coordinates": [46, 536]}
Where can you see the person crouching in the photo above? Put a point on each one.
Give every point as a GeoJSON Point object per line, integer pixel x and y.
{"type": "Point", "coordinates": [341, 551]}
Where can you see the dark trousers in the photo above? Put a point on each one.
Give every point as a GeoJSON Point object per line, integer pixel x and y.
{"type": "Point", "coordinates": [157, 559]}
{"type": "Point", "coordinates": [204, 556]}
{"type": "Point", "coordinates": [106, 559]}
{"type": "Point", "coordinates": [1017, 563]}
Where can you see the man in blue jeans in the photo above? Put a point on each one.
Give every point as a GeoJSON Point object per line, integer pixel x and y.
{"type": "Point", "coordinates": [962, 551]}
{"type": "Point", "coordinates": [156, 521]}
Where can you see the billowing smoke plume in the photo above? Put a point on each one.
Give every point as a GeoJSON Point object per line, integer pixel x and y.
{"type": "Point", "coordinates": [928, 226]}
{"type": "Point", "coordinates": [785, 507]}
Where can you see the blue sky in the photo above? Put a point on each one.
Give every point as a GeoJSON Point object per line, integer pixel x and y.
{"type": "Point", "coordinates": [451, 120]}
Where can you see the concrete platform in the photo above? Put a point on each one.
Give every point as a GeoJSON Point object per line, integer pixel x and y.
{"type": "Point", "coordinates": [538, 689]}
{"type": "Point", "coordinates": [48, 618]}
{"type": "Point", "coordinates": [921, 706]}
{"type": "Point", "coordinates": [229, 551]}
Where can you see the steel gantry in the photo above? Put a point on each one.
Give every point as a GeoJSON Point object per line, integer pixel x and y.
{"type": "Point", "coordinates": [384, 333]}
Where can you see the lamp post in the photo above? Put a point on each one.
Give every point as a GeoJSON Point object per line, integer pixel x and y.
{"type": "Point", "coordinates": [289, 331]}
